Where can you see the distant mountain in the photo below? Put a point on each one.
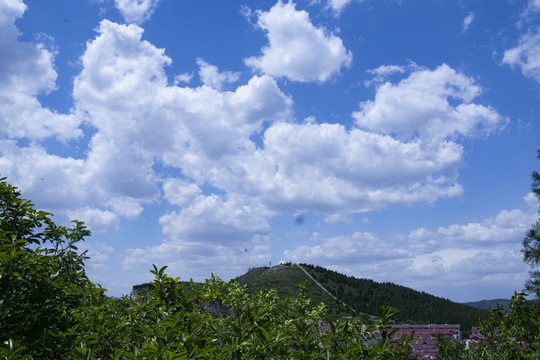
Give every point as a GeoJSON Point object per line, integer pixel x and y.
{"type": "Point", "coordinates": [488, 304]}
{"type": "Point", "coordinates": [349, 296]}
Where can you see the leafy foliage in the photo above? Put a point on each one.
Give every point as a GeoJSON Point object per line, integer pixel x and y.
{"type": "Point", "coordinates": [531, 242]}
{"type": "Point", "coordinates": [512, 333]}
{"type": "Point", "coordinates": [42, 276]}
{"type": "Point", "coordinates": [49, 309]}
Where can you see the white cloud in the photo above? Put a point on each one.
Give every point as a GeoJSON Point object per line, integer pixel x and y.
{"type": "Point", "coordinates": [11, 10]}
{"type": "Point", "coordinates": [467, 21]}
{"type": "Point", "coordinates": [460, 267]}
{"type": "Point", "coordinates": [533, 6]}
{"type": "Point", "coordinates": [52, 182]}
{"type": "Point", "coordinates": [358, 247]}
{"type": "Point", "coordinates": [126, 206]}
{"type": "Point", "coordinates": [339, 5]}
{"type": "Point", "coordinates": [325, 168]}
{"type": "Point", "coordinates": [526, 55]}
{"type": "Point", "coordinates": [98, 253]}
{"type": "Point", "coordinates": [136, 11]}
{"type": "Point", "coordinates": [409, 152]}
{"type": "Point", "coordinates": [183, 78]}
{"type": "Point", "coordinates": [139, 120]}
{"type": "Point", "coordinates": [217, 124]}
{"type": "Point", "coordinates": [211, 76]}
{"type": "Point", "coordinates": [26, 71]}
{"type": "Point", "coordinates": [198, 260]}
{"type": "Point", "coordinates": [180, 192]}
{"type": "Point", "coordinates": [297, 49]}
{"type": "Point", "coordinates": [227, 236]}
{"type": "Point", "coordinates": [119, 70]}
{"type": "Point", "coordinates": [424, 104]}
{"type": "Point", "coordinates": [96, 219]}
{"type": "Point", "coordinates": [424, 240]}
{"type": "Point", "coordinates": [382, 73]}
{"type": "Point", "coordinates": [338, 219]}
{"type": "Point", "coordinates": [210, 219]}
{"type": "Point", "coordinates": [507, 227]}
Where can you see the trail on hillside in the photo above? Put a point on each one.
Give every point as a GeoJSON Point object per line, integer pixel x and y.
{"type": "Point", "coordinates": [322, 287]}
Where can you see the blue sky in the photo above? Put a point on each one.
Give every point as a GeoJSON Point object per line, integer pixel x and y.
{"type": "Point", "coordinates": [391, 140]}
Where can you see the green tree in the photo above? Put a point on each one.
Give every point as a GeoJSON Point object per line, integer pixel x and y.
{"type": "Point", "coordinates": [49, 309]}
{"type": "Point", "coordinates": [512, 333]}
{"type": "Point", "coordinates": [41, 275]}
{"type": "Point", "coordinates": [531, 242]}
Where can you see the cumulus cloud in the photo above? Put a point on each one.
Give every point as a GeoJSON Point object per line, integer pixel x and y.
{"type": "Point", "coordinates": [180, 192]}
{"type": "Point", "coordinates": [211, 76]}
{"type": "Point", "coordinates": [406, 150]}
{"type": "Point", "coordinates": [140, 120]}
{"type": "Point", "coordinates": [51, 181]}
{"type": "Point", "coordinates": [507, 227]}
{"type": "Point", "coordinates": [326, 168]}
{"type": "Point", "coordinates": [125, 206]}
{"type": "Point", "coordinates": [96, 219]}
{"type": "Point", "coordinates": [26, 71]}
{"type": "Point", "coordinates": [226, 234]}
{"type": "Point", "coordinates": [198, 261]}
{"type": "Point", "coordinates": [424, 104]}
{"type": "Point", "coordinates": [463, 257]}
{"type": "Point", "coordinates": [119, 70]}
{"type": "Point", "coordinates": [526, 55]}
{"type": "Point", "coordinates": [297, 49]}
{"type": "Point", "coordinates": [136, 11]}
{"type": "Point", "coordinates": [424, 240]}
{"type": "Point", "coordinates": [210, 218]}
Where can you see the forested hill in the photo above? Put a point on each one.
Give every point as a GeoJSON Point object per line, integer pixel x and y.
{"type": "Point", "coordinates": [354, 296]}
{"type": "Point", "coordinates": [489, 304]}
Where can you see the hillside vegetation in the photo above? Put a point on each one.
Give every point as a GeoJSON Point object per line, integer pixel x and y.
{"type": "Point", "coordinates": [488, 304]}
{"type": "Point", "coordinates": [357, 297]}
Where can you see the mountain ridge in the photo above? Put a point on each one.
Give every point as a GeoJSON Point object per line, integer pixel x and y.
{"type": "Point", "coordinates": [487, 304]}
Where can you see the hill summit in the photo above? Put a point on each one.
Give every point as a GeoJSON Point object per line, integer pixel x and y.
{"type": "Point", "coordinates": [349, 296]}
